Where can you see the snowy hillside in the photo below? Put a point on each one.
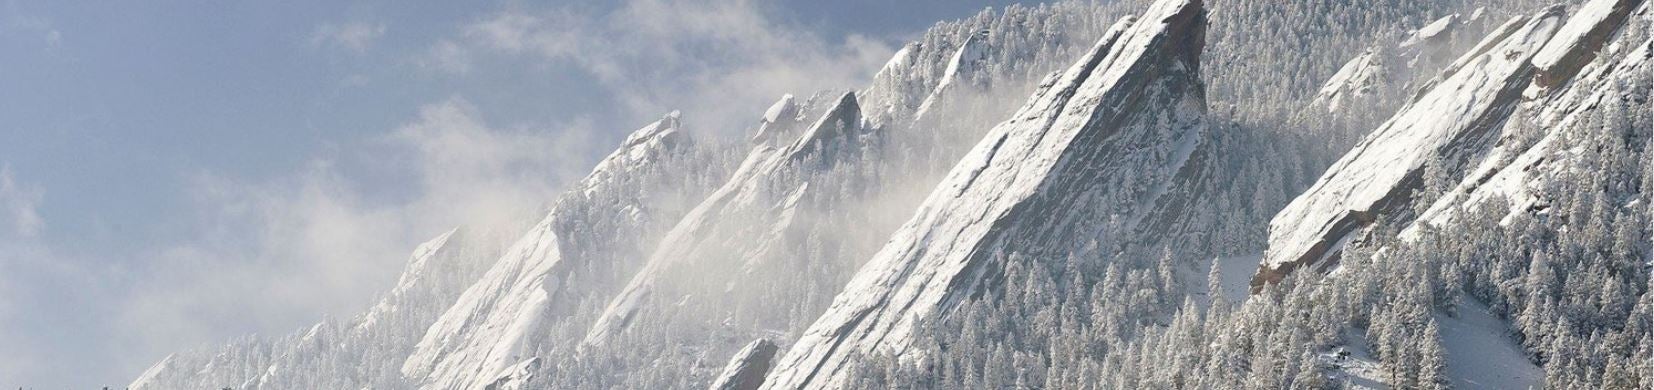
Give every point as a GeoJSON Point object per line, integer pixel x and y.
{"type": "Point", "coordinates": [500, 322]}
{"type": "Point", "coordinates": [1450, 122]}
{"type": "Point", "coordinates": [1019, 189]}
{"type": "Point", "coordinates": [1388, 194]}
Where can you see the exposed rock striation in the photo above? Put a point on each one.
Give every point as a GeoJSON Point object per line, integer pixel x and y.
{"type": "Point", "coordinates": [1107, 148]}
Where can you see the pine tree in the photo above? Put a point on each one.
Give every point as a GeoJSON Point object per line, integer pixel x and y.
{"type": "Point", "coordinates": [1432, 359]}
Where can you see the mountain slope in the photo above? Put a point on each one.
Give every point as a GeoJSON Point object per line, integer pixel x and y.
{"type": "Point", "coordinates": [1519, 167]}
{"type": "Point", "coordinates": [744, 225]}
{"type": "Point", "coordinates": [1449, 124]}
{"type": "Point", "coordinates": [500, 323]}
{"type": "Point", "coordinates": [1130, 110]}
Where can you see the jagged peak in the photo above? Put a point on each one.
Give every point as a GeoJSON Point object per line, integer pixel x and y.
{"type": "Point", "coordinates": [785, 107]}
{"type": "Point", "coordinates": [970, 54]}
{"type": "Point", "coordinates": [1031, 179]}
{"type": "Point", "coordinates": [665, 127]}
{"type": "Point", "coordinates": [746, 369]}
{"type": "Point", "coordinates": [781, 114]}
{"type": "Point", "coordinates": [641, 147]}
{"type": "Point", "coordinates": [900, 61]}
{"type": "Point", "coordinates": [422, 255]}
{"type": "Point", "coordinates": [1449, 120]}
{"type": "Point", "coordinates": [1432, 31]}
{"type": "Point", "coordinates": [1181, 19]}
{"type": "Point", "coordinates": [966, 62]}
{"type": "Point", "coordinates": [840, 121]}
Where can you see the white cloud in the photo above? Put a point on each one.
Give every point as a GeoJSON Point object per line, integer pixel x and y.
{"type": "Point", "coordinates": [720, 61]}
{"type": "Point", "coordinates": [272, 253]}
{"type": "Point", "coordinates": [18, 204]}
{"type": "Point", "coordinates": [355, 36]}
{"type": "Point", "coordinates": [16, 21]}
{"type": "Point", "coordinates": [447, 56]}
{"type": "Point", "coordinates": [276, 253]}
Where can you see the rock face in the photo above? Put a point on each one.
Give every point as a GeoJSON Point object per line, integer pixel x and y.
{"type": "Point", "coordinates": [1131, 111]}
{"type": "Point", "coordinates": [1518, 171]}
{"type": "Point", "coordinates": [493, 331]}
{"type": "Point", "coordinates": [1372, 78]}
{"type": "Point", "coordinates": [1577, 42]}
{"type": "Point", "coordinates": [1450, 123]}
{"type": "Point", "coordinates": [746, 370]}
{"type": "Point", "coordinates": [962, 68]}
{"type": "Point", "coordinates": [741, 226]}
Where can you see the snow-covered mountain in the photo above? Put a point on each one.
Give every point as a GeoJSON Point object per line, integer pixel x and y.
{"type": "Point", "coordinates": [746, 224]}
{"type": "Point", "coordinates": [1054, 177]}
{"type": "Point", "coordinates": [1028, 197]}
{"type": "Point", "coordinates": [501, 324]}
{"type": "Point", "coordinates": [1518, 167]}
{"type": "Point", "coordinates": [1452, 126]}
{"type": "Point", "coordinates": [1366, 79]}
{"type": "Point", "coordinates": [1450, 123]}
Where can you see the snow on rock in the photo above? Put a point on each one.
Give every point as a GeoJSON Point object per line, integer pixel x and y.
{"type": "Point", "coordinates": [146, 380]}
{"type": "Point", "coordinates": [497, 324]}
{"type": "Point", "coordinates": [1519, 171]}
{"type": "Point", "coordinates": [899, 62]}
{"type": "Point", "coordinates": [413, 279]}
{"type": "Point", "coordinates": [1577, 42]}
{"type": "Point", "coordinates": [970, 56]}
{"type": "Point", "coordinates": [781, 115]}
{"type": "Point", "coordinates": [516, 377]}
{"type": "Point", "coordinates": [746, 370]}
{"type": "Point", "coordinates": [1431, 31]}
{"type": "Point", "coordinates": [742, 221]}
{"type": "Point", "coordinates": [1355, 78]}
{"type": "Point", "coordinates": [1450, 122]}
{"type": "Point", "coordinates": [1130, 110]}
{"type": "Point", "coordinates": [897, 86]}
{"type": "Point", "coordinates": [841, 124]}
{"type": "Point", "coordinates": [966, 63]}
{"type": "Point", "coordinates": [1387, 67]}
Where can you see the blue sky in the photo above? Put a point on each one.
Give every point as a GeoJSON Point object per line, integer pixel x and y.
{"type": "Point", "coordinates": [178, 173]}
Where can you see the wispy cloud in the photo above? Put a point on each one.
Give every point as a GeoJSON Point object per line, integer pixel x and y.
{"type": "Point", "coordinates": [353, 36]}
{"type": "Point", "coordinates": [271, 253]}
{"type": "Point", "coordinates": [275, 253]}
{"type": "Point", "coordinates": [447, 56]}
{"type": "Point", "coordinates": [18, 205]}
{"type": "Point", "coordinates": [19, 22]}
{"type": "Point", "coordinates": [719, 61]}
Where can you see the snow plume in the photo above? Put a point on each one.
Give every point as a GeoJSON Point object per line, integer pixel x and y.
{"type": "Point", "coordinates": [719, 60]}
{"type": "Point", "coordinates": [274, 254]}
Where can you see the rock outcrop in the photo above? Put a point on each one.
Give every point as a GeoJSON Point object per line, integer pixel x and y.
{"type": "Point", "coordinates": [1578, 41]}
{"type": "Point", "coordinates": [500, 322]}
{"type": "Point", "coordinates": [742, 224]}
{"type": "Point", "coordinates": [1131, 111]}
{"type": "Point", "coordinates": [1450, 123]}
{"type": "Point", "coordinates": [746, 370]}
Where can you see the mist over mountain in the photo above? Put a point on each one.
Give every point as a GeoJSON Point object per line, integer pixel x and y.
{"type": "Point", "coordinates": [1200, 194]}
